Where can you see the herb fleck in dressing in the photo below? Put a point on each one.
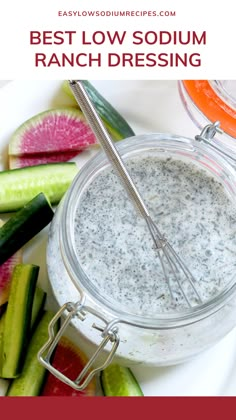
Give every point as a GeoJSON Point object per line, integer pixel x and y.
{"type": "Point", "coordinates": [115, 249]}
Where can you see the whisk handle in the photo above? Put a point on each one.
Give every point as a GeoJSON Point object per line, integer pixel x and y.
{"type": "Point", "coordinates": [107, 144]}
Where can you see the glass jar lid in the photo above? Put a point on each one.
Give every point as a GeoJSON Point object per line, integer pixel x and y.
{"type": "Point", "coordinates": [216, 100]}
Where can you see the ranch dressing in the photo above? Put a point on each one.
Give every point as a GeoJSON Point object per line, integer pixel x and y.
{"type": "Point", "coordinates": [114, 247]}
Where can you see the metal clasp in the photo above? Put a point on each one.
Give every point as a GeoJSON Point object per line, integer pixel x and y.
{"type": "Point", "coordinates": [208, 133]}
{"type": "Point", "coordinates": [108, 333]}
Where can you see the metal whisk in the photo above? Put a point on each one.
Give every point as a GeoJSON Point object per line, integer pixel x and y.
{"type": "Point", "coordinates": [172, 265]}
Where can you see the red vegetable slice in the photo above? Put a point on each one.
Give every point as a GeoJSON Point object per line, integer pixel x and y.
{"type": "Point", "coordinates": [6, 271]}
{"type": "Point", "coordinates": [56, 135]}
{"type": "Point", "coordinates": [40, 159]}
{"type": "Point", "coordinates": [69, 360]}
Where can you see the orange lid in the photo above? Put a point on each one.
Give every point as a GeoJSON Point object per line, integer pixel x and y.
{"type": "Point", "coordinates": [208, 101]}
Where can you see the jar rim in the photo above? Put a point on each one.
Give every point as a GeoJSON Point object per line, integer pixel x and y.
{"type": "Point", "coordinates": [164, 141]}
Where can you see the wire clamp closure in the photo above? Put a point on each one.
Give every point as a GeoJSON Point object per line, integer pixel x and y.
{"type": "Point", "coordinates": [208, 133]}
{"type": "Point", "coordinates": [109, 334]}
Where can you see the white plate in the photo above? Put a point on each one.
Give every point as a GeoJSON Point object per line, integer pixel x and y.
{"type": "Point", "coordinates": [149, 106]}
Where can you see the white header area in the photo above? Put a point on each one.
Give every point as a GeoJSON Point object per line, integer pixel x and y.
{"type": "Point", "coordinates": [103, 39]}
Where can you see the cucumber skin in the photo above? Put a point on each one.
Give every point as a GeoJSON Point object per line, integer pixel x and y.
{"type": "Point", "coordinates": [126, 385]}
{"type": "Point", "coordinates": [18, 186]}
{"type": "Point", "coordinates": [24, 225]}
{"type": "Point", "coordinates": [31, 380]}
{"type": "Point", "coordinates": [116, 124]}
{"type": "Point", "coordinates": [108, 112]}
{"type": "Point", "coordinates": [2, 321]}
{"type": "Point", "coordinates": [38, 307]}
{"type": "Point", "coordinates": [18, 319]}
{"type": "Point", "coordinates": [37, 311]}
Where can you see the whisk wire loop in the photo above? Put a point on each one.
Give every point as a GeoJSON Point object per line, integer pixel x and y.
{"type": "Point", "coordinates": [175, 265]}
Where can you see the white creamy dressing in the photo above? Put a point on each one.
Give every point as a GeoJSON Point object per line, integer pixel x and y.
{"type": "Point", "coordinates": [115, 249]}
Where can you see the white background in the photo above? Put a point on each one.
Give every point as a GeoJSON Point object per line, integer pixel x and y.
{"type": "Point", "coordinates": [17, 19]}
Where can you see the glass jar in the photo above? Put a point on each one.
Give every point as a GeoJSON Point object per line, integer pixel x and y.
{"type": "Point", "coordinates": [209, 101]}
{"type": "Point", "coordinates": [133, 337]}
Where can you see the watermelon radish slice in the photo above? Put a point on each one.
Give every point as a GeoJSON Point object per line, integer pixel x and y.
{"type": "Point", "coordinates": [69, 360]}
{"type": "Point", "coordinates": [52, 136]}
{"type": "Point", "coordinates": [40, 159]}
{"type": "Point", "coordinates": [6, 271]}
{"type": "Point", "coordinates": [53, 131]}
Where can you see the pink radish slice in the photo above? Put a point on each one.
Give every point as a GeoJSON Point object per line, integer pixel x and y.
{"type": "Point", "coordinates": [31, 160]}
{"type": "Point", "coordinates": [55, 131]}
{"type": "Point", "coordinates": [6, 270]}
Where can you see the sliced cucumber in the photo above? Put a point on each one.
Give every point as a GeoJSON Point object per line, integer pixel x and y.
{"type": "Point", "coordinates": [119, 381]}
{"type": "Point", "coordinates": [38, 306]}
{"type": "Point", "coordinates": [24, 225]}
{"type": "Point", "coordinates": [31, 380]}
{"type": "Point", "coordinates": [2, 321]}
{"type": "Point", "coordinates": [37, 310]}
{"type": "Point", "coordinates": [18, 319]}
{"type": "Point", "coordinates": [115, 123]}
{"type": "Point", "coordinates": [18, 186]}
